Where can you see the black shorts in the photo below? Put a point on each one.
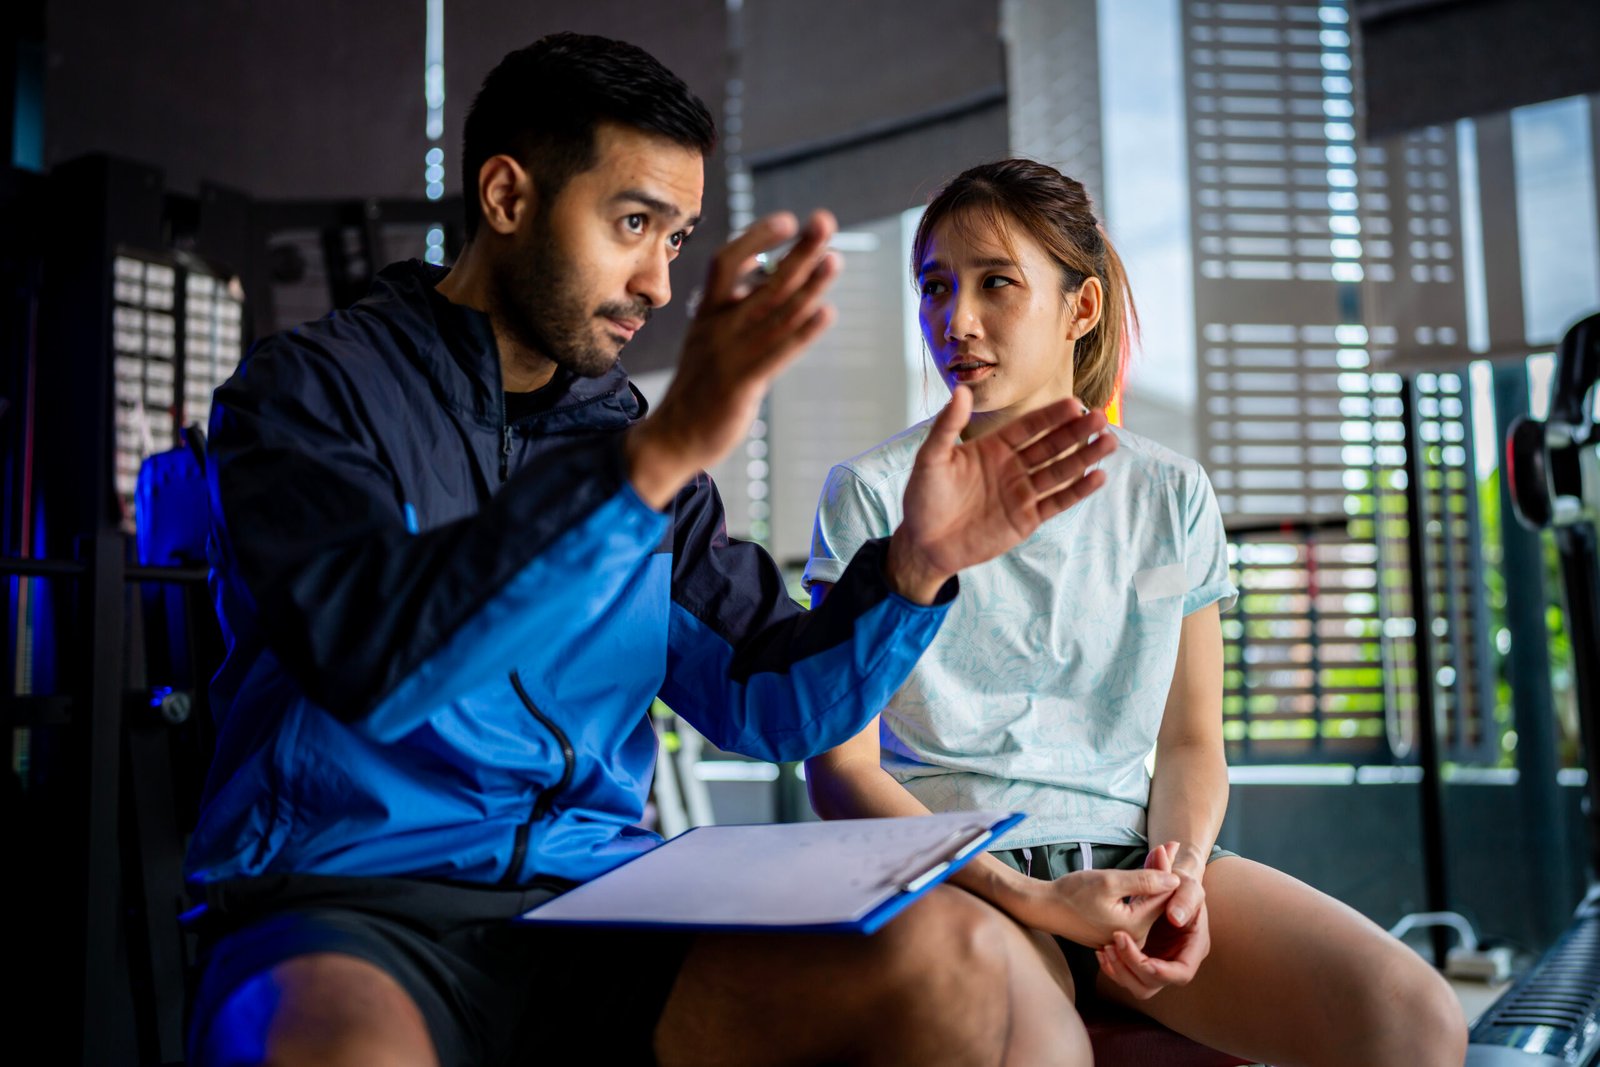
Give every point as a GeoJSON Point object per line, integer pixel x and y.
{"type": "Point", "coordinates": [491, 991]}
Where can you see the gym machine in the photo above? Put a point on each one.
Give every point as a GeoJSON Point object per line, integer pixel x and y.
{"type": "Point", "coordinates": [1551, 1016]}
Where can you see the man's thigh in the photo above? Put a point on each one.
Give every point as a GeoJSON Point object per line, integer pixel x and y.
{"type": "Point", "coordinates": [326, 1008]}
{"type": "Point", "coordinates": [949, 974]}
{"type": "Point", "coordinates": [486, 989]}
{"type": "Point", "coordinates": [300, 987]}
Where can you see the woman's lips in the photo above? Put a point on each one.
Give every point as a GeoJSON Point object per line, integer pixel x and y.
{"type": "Point", "coordinates": [967, 371]}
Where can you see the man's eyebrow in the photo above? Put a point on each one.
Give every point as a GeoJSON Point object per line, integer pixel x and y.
{"type": "Point", "coordinates": [671, 212]}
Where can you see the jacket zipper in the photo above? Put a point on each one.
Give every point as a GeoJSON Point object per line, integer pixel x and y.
{"type": "Point", "coordinates": [505, 441]}
{"type": "Point", "coordinates": [547, 799]}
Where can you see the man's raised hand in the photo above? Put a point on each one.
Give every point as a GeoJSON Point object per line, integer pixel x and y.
{"type": "Point", "coordinates": [968, 502]}
{"type": "Point", "coordinates": [742, 335]}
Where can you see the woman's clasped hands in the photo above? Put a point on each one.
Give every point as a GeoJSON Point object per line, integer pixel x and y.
{"type": "Point", "coordinates": [1175, 942]}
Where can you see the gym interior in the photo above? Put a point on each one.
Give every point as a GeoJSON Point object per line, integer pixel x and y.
{"type": "Point", "coordinates": [1366, 235]}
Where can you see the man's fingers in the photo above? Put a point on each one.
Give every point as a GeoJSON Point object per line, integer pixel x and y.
{"type": "Point", "coordinates": [804, 300]}
{"type": "Point", "coordinates": [1071, 440]}
{"type": "Point", "coordinates": [800, 262]}
{"type": "Point", "coordinates": [1018, 432]}
{"type": "Point", "coordinates": [732, 261]}
{"type": "Point", "coordinates": [952, 419]}
{"type": "Point", "coordinates": [1066, 496]}
{"type": "Point", "coordinates": [788, 348]}
{"type": "Point", "coordinates": [1062, 438]}
{"type": "Point", "coordinates": [1068, 469]}
{"type": "Point", "coordinates": [768, 292]}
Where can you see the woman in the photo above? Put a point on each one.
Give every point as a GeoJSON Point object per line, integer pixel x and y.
{"type": "Point", "coordinates": [1067, 660]}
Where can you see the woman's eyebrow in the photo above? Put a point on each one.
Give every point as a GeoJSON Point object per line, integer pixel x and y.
{"type": "Point", "coordinates": [991, 263]}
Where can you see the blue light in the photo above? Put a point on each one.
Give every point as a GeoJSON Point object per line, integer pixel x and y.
{"type": "Point", "coordinates": [435, 190]}
{"type": "Point", "coordinates": [435, 155]}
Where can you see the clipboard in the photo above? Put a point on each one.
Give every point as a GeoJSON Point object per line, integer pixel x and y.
{"type": "Point", "coordinates": [849, 876]}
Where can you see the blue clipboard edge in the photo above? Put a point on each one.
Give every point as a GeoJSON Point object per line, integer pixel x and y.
{"type": "Point", "coordinates": [868, 924]}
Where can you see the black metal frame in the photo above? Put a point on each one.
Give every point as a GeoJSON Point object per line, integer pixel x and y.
{"type": "Point", "coordinates": [103, 887]}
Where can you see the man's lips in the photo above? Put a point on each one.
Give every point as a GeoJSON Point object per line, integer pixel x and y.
{"type": "Point", "coordinates": [626, 327]}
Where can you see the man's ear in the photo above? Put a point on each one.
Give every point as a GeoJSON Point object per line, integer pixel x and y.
{"type": "Point", "coordinates": [1084, 313]}
{"type": "Point", "coordinates": [505, 194]}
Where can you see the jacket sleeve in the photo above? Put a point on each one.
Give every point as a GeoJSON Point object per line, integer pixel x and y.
{"type": "Point", "coordinates": [376, 623]}
{"type": "Point", "coordinates": [759, 675]}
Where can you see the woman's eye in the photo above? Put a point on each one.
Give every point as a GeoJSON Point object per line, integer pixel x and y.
{"type": "Point", "coordinates": [933, 288]}
{"type": "Point", "coordinates": [995, 281]}
{"type": "Point", "coordinates": [634, 223]}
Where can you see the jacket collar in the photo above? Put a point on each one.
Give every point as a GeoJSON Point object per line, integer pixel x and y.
{"type": "Point", "coordinates": [456, 347]}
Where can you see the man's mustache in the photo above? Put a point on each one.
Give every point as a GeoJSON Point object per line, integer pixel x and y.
{"type": "Point", "coordinates": [622, 311]}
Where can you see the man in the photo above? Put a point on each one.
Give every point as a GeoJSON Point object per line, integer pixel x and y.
{"type": "Point", "coordinates": [455, 563]}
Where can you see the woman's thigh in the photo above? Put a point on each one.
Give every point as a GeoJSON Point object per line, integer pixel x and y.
{"type": "Point", "coordinates": [1296, 977]}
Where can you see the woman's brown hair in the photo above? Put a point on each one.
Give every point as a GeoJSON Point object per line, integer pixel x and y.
{"type": "Point", "coordinates": [1055, 211]}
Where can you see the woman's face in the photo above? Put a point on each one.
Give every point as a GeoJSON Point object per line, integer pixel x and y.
{"type": "Point", "coordinates": [995, 320]}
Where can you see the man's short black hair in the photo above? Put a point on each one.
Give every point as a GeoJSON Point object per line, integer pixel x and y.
{"type": "Point", "coordinates": [542, 103]}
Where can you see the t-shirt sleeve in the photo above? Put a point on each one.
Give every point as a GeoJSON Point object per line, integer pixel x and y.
{"type": "Point", "coordinates": [1206, 550]}
{"type": "Point", "coordinates": [848, 516]}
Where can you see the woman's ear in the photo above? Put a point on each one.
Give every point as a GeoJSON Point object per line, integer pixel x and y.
{"type": "Point", "coordinates": [1083, 314]}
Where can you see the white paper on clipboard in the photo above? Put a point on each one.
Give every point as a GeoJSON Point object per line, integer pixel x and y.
{"type": "Point", "coordinates": [816, 875]}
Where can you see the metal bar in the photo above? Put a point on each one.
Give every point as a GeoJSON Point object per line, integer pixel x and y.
{"type": "Point", "coordinates": [1242, 613]}
{"type": "Point", "coordinates": [1446, 589]}
{"type": "Point", "coordinates": [1533, 713]}
{"type": "Point", "coordinates": [1313, 594]}
{"type": "Point", "coordinates": [67, 568]}
{"type": "Point", "coordinates": [1477, 585]}
{"type": "Point", "coordinates": [1580, 571]}
{"type": "Point", "coordinates": [104, 973]}
{"type": "Point", "coordinates": [173, 575]}
{"type": "Point", "coordinates": [43, 568]}
{"type": "Point", "coordinates": [1435, 874]}
{"type": "Point", "coordinates": [1245, 530]}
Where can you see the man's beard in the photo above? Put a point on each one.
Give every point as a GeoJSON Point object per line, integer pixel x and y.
{"type": "Point", "coordinates": [541, 302]}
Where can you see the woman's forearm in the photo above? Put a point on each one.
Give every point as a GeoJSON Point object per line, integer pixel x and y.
{"type": "Point", "coordinates": [1188, 798]}
{"type": "Point", "coordinates": [860, 789]}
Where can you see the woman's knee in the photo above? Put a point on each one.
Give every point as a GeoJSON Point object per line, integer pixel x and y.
{"type": "Point", "coordinates": [1420, 1020]}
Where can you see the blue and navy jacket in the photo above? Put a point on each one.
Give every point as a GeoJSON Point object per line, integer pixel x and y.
{"type": "Point", "coordinates": [445, 632]}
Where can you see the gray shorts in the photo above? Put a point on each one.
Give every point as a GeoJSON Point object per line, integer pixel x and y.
{"type": "Point", "coordinates": [1049, 862]}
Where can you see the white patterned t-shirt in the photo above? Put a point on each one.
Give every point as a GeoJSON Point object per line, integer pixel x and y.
{"type": "Point", "coordinates": [1044, 689]}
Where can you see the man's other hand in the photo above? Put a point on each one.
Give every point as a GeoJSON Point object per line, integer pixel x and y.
{"type": "Point", "coordinates": [970, 501]}
{"type": "Point", "coordinates": [747, 329]}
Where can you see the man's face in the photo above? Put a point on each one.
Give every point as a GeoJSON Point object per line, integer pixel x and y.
{"type": "Point", "coordinates": [587, 269]}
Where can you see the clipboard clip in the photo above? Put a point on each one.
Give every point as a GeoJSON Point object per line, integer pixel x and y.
{"type": "Point", "coordinates": [971, 839]}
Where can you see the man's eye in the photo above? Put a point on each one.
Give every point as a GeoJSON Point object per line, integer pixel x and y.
{"type": "Point", "coordinates": [634, 223]}
{"type": "Point", "coordinates": [677, 239]}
